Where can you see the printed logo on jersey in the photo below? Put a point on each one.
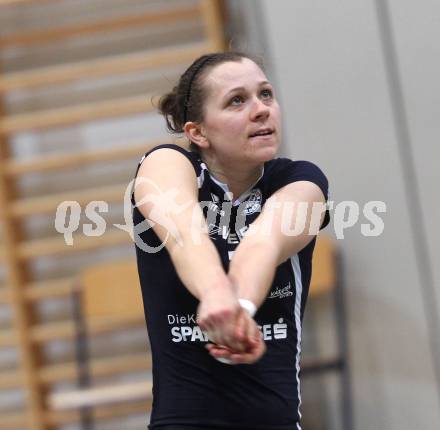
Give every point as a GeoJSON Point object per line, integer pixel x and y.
{"type": "Point", "coordinates": [185, 328]}
{"type": "Point", "coordinates": [281, 292]}
{"type": "Point", "coordinates": [215, 199]}
{"type": "Point", "coordinates": [274, 331]}
{"type": "Point", "coordinates": [253, 202]}
{"type": "Point", "coordinates": [215, 230]}
{"type": "Point", "coordinates": [214, 205]}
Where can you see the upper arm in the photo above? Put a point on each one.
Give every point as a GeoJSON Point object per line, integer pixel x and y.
{"type": "Point", "coordinates": [291, 218]}
{"type": "Point", "coordinates": [168, 196]}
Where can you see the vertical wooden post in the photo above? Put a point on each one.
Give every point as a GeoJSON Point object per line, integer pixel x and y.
{"type": "Point", "coordinates": [16, 279]}
{"type": "Point", "coordinates": [212, 19]}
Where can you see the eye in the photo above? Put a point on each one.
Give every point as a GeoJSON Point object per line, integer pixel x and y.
{"type": "Point", "coordinates": [267, 93]}
{"type": "Point", "coordinates": [236, 100]}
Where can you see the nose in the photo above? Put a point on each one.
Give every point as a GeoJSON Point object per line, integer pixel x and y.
{"type": "Point", "coordinates": [259, 110]}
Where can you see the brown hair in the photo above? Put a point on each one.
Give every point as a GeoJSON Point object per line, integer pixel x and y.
{"type": "Point", "coordinates": [185, 102]}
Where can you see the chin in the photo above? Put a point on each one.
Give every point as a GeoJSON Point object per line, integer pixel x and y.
{"type": "Point", "coordinates": [267, 153]}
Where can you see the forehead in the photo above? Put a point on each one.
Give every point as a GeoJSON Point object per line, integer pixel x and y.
{"type": "Point", "coordinates": [233, 74]}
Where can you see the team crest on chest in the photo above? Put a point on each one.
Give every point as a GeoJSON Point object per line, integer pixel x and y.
{"type": "Point", "coordinates": [253, 202]}
{"type": "Point", "coordinates": [215, 199]}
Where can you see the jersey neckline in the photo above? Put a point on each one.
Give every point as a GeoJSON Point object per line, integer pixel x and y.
{"type": "Point", "coordinates": [227, 191]}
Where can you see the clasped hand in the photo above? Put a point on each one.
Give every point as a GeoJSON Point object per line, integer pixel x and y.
{"type": "Point", "coordinates": [234, 332]}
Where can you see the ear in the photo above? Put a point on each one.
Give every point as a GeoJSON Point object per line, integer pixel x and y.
{"type": "Point", "coordinates": [194, 133]}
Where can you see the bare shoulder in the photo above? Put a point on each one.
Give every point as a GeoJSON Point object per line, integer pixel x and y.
{"type": "Point", "coordinates": [166, 173]}
{"type": "Point", "coordinates": [167, 166]}
{"type": "Point", "coordinates": [299, 191]}
{"type": "Point", "coordinates": [166, 161]}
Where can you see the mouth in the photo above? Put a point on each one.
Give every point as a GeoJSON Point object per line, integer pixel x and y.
{"type": "Point", "coordinates": [263, 132]}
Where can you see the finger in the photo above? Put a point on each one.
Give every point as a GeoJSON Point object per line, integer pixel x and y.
{"type": "Point", "coordinates": [225, 355]}
{"type": "Point", "coordinates": [236, 340]}
{"type": "Point", "coordinates": [220, 352]}
{"type": "Point", "coordinates": [252, 332]}
{"type": "Point", "coordinates": [214, 346]}
{"type": "Point", "coordinates": [244, 358]}
{"type": "Point", "coordinates": [246, 332]}
{"type": "Point", "coordinates": [250, 356]}
{"type": "Point", "coordinates": [243, 327]}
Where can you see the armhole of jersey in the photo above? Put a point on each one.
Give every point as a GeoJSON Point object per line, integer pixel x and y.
{"type": "Point", "coordinates": [326, 220]}
{"type": "Point", "coordinates": [276, 167]}
{"type": "Point", "coordinates": [189, 155]}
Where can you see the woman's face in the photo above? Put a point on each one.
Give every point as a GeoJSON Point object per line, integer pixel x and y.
{"type": "Point", "coordinates": [242, 120]}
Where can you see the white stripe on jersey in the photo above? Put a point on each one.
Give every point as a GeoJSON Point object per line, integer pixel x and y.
{"type": "Point", "coordinates": [294, 261]}
{"type": "Point", "coordinates": [201, 177]}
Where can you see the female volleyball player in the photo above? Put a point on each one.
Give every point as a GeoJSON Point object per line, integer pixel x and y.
{"type": "Point", "coordinates": [225, 267]}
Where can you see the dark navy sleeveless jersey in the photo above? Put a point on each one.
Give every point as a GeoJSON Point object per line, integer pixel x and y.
{"type": "Point", "coordinates": [192, 390]}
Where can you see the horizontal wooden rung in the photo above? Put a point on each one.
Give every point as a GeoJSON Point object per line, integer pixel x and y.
{"type": "Point", "coordinates": [66, 329]}
{"type": "Point", "coordinates": [8, 338]}
{"type": "Point", "coordinates": [116, 393]}
{"type": "Point", "coordinates": [161, 17]}
{"type": "Point", "coordinates": [10, 379]}
{"type": "Point", "coordinates": [321, 365]}
{"type": "Point", "coordinates": [57, 245]}
{"type": "Point", "coordinates": [49, 203]}
{"type": "Point", "coordinates": [13, 420]}
{"type": "Point", "coordinates": [101, 412]}
{"type": "Point", "coordinates": [121, 151]}
{"type": "Point", "coordinates": [99, 367]}
{"type": "Point", "coordinates": [75, 114]}
{"type": "Point", "coordinates": [120, 64]}
{"type": "Point", "coordinates": [5, 295]}
{"type": "Point", "coordinates": [18, 2]}
{"type": "Point", "coordinates": [50, 288]}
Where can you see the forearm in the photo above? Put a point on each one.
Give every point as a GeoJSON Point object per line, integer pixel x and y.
{"type": "Point", "coordinates": [170, 203]}
{"type": "Point", "coordinates": [199, 266]}
{"type": "Point", "coordinates": [219, 314]}
{"type": "Point", "coordinates": [252, 270]}
{"type": "Point", "coordinates": [265, 245]}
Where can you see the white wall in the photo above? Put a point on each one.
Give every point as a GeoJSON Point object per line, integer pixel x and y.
{"type": "Point", "coordinates": [328, 66]}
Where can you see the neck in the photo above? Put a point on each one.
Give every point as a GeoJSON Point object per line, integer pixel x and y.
{"type": "Point", "coordinates": [238, 178]}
